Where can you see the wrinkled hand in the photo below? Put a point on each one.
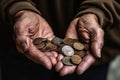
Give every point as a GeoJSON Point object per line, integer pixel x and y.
{"type": "Point", "coordinates": [29, 26]}
{"type": "Point", "coordinates": [89, 31]}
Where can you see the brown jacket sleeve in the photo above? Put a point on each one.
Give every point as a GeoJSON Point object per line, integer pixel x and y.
{"type": "Point", "coordinates": [107, 11]}
{"type": "Point", "coordinates": [8, 8]}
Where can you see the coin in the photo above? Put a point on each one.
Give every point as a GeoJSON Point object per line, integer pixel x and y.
{"type": "Point", "coordinates": [76, 59]}
{"type": "Point", "coordinates": [56, 41]}
{"type": "Point", "coordinates": [38, 40]}
{"type": "Point", "coordinates": [41, 45]}
{"type": "Point", "coordinates": [69, 41]}
{"type": "Point", "coordinates": [67, 50]}
{"type": "Point", "coordinates": [60, 48]}
{"type": "Point", "coordinates": [78, 46]}
{"type": "Point", "coordinates": [80, 53]}
{"type": "Point", "coordinates": [67, 61]}
{"type": "Point", "coordinates": [49, 47]}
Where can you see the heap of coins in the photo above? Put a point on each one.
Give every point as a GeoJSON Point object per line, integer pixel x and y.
{"type": "Point", "coordinates": [44, 44]}
{"type": "Point", "coordinates": [72, 49]}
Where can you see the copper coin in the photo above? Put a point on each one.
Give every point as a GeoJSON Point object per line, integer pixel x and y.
{"type": "Point", "coordinates": [80, 53]}
{"type": "Point", "coordinates": [67, 50]}
{"type": "Point", "coordinates": [60, 48]}
{"type": "Point", "coordinates": [76, 59]}
{"type": "Point", "coordinates": [41, 45]}
{"type": "Point", "coordinates": [67, 61]}
{"type": "Point", "coordinates": [56, 41]}
{"type": "Point", "coordinates": [38, 40]}
{"type": "Point", "coordinates": [69, 41]}
{"type": "Point", "coordinates": [78, 46]}
{"type": "Point", "coordinates": [49, 47]}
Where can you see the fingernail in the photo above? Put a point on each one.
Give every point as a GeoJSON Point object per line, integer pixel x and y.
{"type": "Point", "coordinates": [99, 53]}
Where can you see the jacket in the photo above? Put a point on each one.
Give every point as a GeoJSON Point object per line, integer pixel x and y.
{"type": "Point", "coordinates": [59, 13]}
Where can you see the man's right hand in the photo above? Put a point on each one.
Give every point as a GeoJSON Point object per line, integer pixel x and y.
{"type": "Point", "coordinates": [28, 26]}
{"type": "Point", "coordinates": [87, 29]}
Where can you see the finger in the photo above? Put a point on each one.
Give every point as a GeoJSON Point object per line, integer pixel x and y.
{"type": "Point", "coordinates": [67, 70]}
{"type": "Point", "coordinates": [71, 31]}
{"type": "Point", "coordinates": [51, 57]}
{"type": "Point", "coordinates": [60, 57]}
{"type": "Point", "coordinates": [53, 60]}
{"type": "Point", "coordinates": [55, 54]}
{"type": "Point", "coordinates": [97, 41]}
{"type": "Point", "coordinates": [83, 34]}
{"type": "Point", "coordinates": [59, 66]}
{"type": "Point", "coordinates": [85, 64]}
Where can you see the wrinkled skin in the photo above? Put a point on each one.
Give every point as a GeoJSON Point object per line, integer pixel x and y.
{"type": "Point", "coordinates": [29, 26]}
{"type": "Point", "coordinates": [89, 31]}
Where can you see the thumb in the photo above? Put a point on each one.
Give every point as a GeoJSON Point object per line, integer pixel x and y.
{"type": "Point", "coordinates": [97, 42]}
{"type": "Point", "coordinates": [71, 31]}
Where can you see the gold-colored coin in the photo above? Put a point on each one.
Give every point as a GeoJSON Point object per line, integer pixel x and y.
{"type": "Point", "coordinates": [80, 53]}
{"type": "Point", "coordinates": [67, 61]}
{"type": "Point", "coordinates": [76, 59]}
{"type": "Point", "coordinates": [69, 41]}
{"type": "Point", "coordinates": [38, 40]}
{"type": "Point", "coordinates": [78, 46]}
{"type": "Point", "coordinates": [49, 47]}
{"type": "Point", "coordinates": [41, 45]}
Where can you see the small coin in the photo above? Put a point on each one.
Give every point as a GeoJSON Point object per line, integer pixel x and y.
{"type": "Point", "coordinates": [41, 45]}
{"type": "Point", "coordinates": [67, 50]}
{"type": "Point", "coordinates": [76, 59]}
{"type": "Point", "coordinates": [80, 53]}
{"type": "Point", "coordinates": [56, 40]}
{"type": "Point", "coordinates": [78, 46]}
{"type": "Point", "coordinates": [38, 40]}
{"type": "Point", "coordinates": [69, 41]}
{"type": "Point", "coordinates": [49, 47]}
{"type": "Point", "coordinates": [60, 48]}
{"type": "Point", "coordinates": [67, 61]}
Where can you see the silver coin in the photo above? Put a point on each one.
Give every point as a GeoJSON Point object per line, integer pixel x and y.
{"type": "Point", "coordinates": [67, 61]}
{"type": "Point", "coordinates": [67, 50]}
{"type": "Point", "coordinates": [56, 41]}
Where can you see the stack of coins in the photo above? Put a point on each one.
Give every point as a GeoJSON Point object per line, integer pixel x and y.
{"type": "Point", "coordinates": [44, 44]}
{"type": "Point", "coordinates": [72, 49]}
